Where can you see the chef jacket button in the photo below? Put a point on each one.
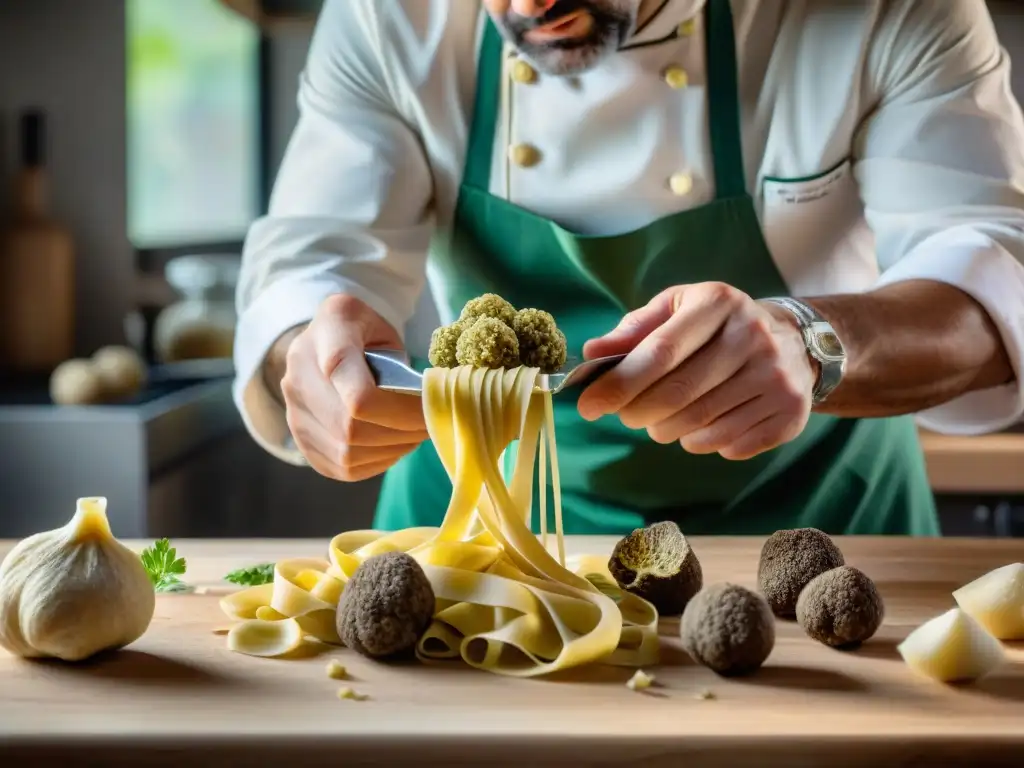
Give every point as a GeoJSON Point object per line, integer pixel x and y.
{"type": "Point", "coordinates": [523, 72]}
{"type": "Point", "coordinates": [687, 28]}
{"type": "Point", "coordinates": [676, 77]}
{"type": "Point", "coordinates": [524, 155]}
{"type": "Point", "coordinates": [681, 184]}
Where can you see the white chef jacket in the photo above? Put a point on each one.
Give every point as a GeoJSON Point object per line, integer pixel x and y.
{"type": "Point", "coordinates": [881, 143]}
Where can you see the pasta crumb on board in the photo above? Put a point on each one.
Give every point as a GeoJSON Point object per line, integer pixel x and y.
{"type": "Point", "coordinates": [349, 693]}
{"type": "Point", "coordinates": [640, 681]}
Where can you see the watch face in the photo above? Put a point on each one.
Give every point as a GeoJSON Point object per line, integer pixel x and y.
{"type": "Point", "coordinates": [828, 342]}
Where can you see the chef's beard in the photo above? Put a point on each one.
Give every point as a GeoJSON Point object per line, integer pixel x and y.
{"type": "Point", "coordinates": [612, 20]}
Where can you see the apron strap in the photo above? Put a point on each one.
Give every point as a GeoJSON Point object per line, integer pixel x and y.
{"type": "Point", "coordinates": [723, 104]}
{"type": "Point", "coordinates": [724, 100]}
{"type": "Point", "coordinates": [483, 131]}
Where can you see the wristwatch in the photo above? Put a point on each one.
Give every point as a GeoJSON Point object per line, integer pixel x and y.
{"type": "Point", "coordinates": [822, 342]}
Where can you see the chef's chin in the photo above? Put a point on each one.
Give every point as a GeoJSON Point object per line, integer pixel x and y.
{"type": "Point", "coordinates": [572, 56]}
{"type": "Point", "coordinates": [611, 21]}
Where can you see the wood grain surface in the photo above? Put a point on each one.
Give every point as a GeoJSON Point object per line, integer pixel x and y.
{"type": "Point", "coordinates": [177, 697]}
{"type": "Point", "coordinates": [989, 464]}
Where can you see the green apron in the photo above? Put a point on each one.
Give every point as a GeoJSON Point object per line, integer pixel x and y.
{"type": "Point", "coordinates": [840, 475]}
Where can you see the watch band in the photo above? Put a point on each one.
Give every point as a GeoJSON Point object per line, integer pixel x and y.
{"type": "Point", "coordinates": [822, 344]}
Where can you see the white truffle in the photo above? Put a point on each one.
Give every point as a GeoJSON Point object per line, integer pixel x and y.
{"type": "Point", "coordinates": [121, 370]}
{"type": "Point", "coordinates": [76, 382]}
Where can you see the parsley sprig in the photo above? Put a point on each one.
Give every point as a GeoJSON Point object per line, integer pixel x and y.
{"type": "Point", "coordinates": [253, 576]}
{"type": "Point", "coordinates": [163, 566]}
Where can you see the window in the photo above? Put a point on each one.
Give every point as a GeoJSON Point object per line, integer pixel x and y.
{"type": "Point", "coordinates": [194, 126]}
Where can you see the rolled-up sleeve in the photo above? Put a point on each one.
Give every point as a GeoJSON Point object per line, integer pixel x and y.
{"type": "Point", "coordinates": [940, 163]}
{"type": "Point", "coordinates": [350, 211]}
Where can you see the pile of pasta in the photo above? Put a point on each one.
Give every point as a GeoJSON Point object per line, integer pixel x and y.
{"type": "Point", "coordinates": [505, 603]}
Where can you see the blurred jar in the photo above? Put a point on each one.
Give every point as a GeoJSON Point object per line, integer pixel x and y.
{"type": "Point", "coordinates": [202, 324]}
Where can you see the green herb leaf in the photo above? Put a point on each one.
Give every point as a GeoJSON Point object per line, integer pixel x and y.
{"type": "Point", "coordinates": [171, 583]}
{"type": "Point", "coordinates": [163, 566]}
{"type": "Point", "coordinates": [254, 576]}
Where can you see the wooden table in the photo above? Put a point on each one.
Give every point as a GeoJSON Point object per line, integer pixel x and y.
{"type": "Point", "coordinates": [985, 464]}
{"type": "Point", "coordinates": [178, 698]}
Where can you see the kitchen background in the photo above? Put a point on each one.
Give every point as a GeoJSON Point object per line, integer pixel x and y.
{"type": "Point", "coordinates": [162, 124]}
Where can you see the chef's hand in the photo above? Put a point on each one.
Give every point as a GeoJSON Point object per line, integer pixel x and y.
{"type": "Point", "coordinates": [709, 367]}
{"type": "Point", "coordinates": [345, 426]}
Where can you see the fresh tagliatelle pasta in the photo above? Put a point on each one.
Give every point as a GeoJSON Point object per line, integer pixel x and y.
{"type": "Point", "coordinates": [505, 604]}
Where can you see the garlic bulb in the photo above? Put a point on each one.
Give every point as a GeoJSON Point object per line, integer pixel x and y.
{"type": "Point", "coordinates": [72, 592]}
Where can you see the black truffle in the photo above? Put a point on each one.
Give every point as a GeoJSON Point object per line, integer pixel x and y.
{"type": "Point", "coordinates": [657, 564]}
{"type": "Point", "coordinates": [841, 608]}
{"type": "Point", "coordinates": [729, 629]}
{"type": "Point", "coordinates": [790, 559]}
{"type": "Point", "coordinates": [386, 606]}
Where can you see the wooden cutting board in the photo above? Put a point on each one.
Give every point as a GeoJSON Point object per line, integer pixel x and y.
{"type": "Point", "coordinates": [177, 697]}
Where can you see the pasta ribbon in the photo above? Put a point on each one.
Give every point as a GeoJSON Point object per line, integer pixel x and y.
{"type": "Point", "coordinates": [505, 603]}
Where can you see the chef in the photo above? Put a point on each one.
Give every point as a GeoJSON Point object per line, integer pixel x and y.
{"type": "Point", "coordinates": [803, 223]}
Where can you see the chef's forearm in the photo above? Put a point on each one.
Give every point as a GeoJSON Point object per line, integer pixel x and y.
{"type": "Point", "coordinates": [276, 362]}
{"type": "Point", "coordinates": [912, 346]}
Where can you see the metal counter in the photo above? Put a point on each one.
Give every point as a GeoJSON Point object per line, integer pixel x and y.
{"type": "Point", "coordinates": [50, 455]}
